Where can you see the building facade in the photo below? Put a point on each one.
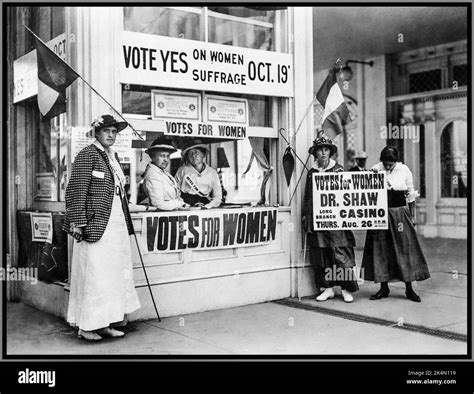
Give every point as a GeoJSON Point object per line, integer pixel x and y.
{"type": "Point", "coordinates": [147, 56]}
{"type": "Point", "coordinates": [241, 79]}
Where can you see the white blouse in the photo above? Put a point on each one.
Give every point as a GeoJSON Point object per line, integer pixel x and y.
{"type": "Point", "coordinates": [399, 178]}
{"type": "Point", "coordinates": [161, 188]}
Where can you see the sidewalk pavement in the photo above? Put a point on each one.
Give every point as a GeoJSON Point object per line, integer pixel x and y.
{"type": "Point", "coordinates": [391, 326]}
{"type": "Point", "coordinates": [444, 306]}
{"type": "Point", "coordinates": [259, 329]}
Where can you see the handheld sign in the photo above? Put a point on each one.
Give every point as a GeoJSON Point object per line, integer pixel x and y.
{"type": "Point", "coordinates": [349, 201]}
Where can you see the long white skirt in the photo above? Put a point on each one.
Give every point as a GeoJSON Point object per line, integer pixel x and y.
{"type": "Point", "coordinates": [102, 286]}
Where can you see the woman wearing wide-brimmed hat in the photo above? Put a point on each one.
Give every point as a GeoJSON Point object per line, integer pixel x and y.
{"type": "Point", "coordinates": [395, 254]}
{"type": "Point", "coordinates": [160, 187]}
{"type": "Point", "coordinates": [97, 217]}
{"type": "Point", "coordinates": [199, 183]}
{"type": "Point", "coordinates": [330, 251]}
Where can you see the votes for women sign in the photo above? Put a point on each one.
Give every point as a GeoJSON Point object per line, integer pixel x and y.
{"type": "Point", "coordinates": [349, 200]}
{"type": "Point", "coordinates": [207, 229]}
{"type": "Point", "coordinates": [147, 59]}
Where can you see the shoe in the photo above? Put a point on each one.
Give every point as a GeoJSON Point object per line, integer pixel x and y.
{"type": "Point", "coordinates": [347, 295]}
{"type": "Point", "coordinates": [328, 293]}
{"type": "Point", "coordinates": [411, 295]}
{"type": "Point", "coordinates": [110, 332]}
{"type": "Point", "coordinates": [382, 293]}
{"type": "Point", "coordinates": [89, 335]}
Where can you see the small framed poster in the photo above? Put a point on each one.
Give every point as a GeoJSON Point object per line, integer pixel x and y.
{"type": "Point", "coordinates": [175, 105]}
{"type": "Point", "coordinates": [226, 109]}
{"type": "Point", "coordinates": [45, 187]}
{"type": "Point", "coordinates": [41, 227]}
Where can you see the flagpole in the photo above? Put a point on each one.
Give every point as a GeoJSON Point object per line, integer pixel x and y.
{"type": "Point", "coordinates": [306, 113]}
{"type": "Point", "coordinates": [87, 83]}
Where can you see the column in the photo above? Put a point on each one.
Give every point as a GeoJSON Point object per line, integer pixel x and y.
{"type": "Point", "coordinates": [432, 170]}
{"type": "Point", "coordinates": [302, 37]}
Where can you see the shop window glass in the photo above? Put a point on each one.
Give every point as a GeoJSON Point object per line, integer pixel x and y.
{"type": "Point", "coordinates": [46, 22]}
{"type": "Point", "coordinates": [51, 141]}
{"type": "Point", "coordinates": [163, 21]}
{"type": "Point", "coordinates": [236, 26]}
{"type": "Point", "coordinates": [244, 28]}
{"type": "Point", "coordinates": [243, 178]}
{"type": "Point", "coordinates": [425, 81]}
{"type": "Point", "coordinates": [136, 100]}
{"type": "Point", "coordinates": [460, 74]}
{"type": "Point", "coordinates": [51, 160]}
{"type": "Point", "coordinates": [260, 14]}
{"type": "Point", "coordinates": [454, 160]}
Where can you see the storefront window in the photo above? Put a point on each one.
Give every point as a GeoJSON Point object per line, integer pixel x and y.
{"type": "Point", "coordinates": [237, 26]}
{"type": "Point", "coordinates": [164, 21]}
{"type": "Point", "coordinates": [242, 180]}
{"type": "Point", "coordinates": [51, 160]}
{"type": "Point", "coordinates": [136, 100]}
{"type": "Point", "coordinates": [454, 160]}
{"type": "Point", "coordinates": [51, 142]}
{"type": "Point", "coordinates": [240, 187]}
{"type": "Point", "coordinates": [240, 26]}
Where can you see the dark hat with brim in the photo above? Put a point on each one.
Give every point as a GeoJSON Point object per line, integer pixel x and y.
{"type": "Point", "coordinates": [322, 141]}
{"type": "Point", "coordinates": [161, 144]}
{"type": "Point", "coordinates": [107, 121]}
{"type": "Point", "coordinates": [192, 144]}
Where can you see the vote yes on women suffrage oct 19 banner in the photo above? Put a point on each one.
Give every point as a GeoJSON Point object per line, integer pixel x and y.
{"type": "Point", "coordinates": [349, 200]}
{"type": "Point", "coordinates": [207, 229]}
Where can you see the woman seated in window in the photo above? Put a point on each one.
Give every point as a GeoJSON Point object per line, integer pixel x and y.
{"type": "Point", "coordinates": [199, 183]}
{"type": "Point", "coordinates": [159, 186]}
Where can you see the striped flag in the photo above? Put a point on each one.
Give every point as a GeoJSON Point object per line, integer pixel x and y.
{"type": "Point", "coordinates": [336, 113]}
{"type": "Point", "coordinates": [54, 76]}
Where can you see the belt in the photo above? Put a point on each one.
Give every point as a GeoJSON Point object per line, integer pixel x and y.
{"type": "Point", "coordinates": [396, 198]}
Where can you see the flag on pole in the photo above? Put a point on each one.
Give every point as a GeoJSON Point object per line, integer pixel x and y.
{"type": "Point", "coordinates": [336, 113]}
{"type": "Point", "coordinates": [54, 76]}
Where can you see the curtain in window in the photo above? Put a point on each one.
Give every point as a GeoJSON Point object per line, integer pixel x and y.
{"type": "Point", "coordinates": [260, 151]}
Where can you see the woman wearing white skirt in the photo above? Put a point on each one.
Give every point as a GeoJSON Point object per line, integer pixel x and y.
{"type": "Point", "coordinates": [97, 216]}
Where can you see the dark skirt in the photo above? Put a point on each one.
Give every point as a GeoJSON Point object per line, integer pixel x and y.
{"type": "Point", "coordinates": [394, 254]}
{"type": "Point", "coordinates": [333, 266]}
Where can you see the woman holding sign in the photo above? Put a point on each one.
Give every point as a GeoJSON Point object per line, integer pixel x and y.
{"type": "Point", "coordinates": [331, 252]}
{"type": "Point", "coordinates": [199, 183]}
{"type": "Point", "coordinates": [160, 187]}
{"type": "Point", "coordinates": [395, 254]}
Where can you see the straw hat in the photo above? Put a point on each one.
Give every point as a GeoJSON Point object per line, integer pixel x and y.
{"type": "Point", "coordinates": [191, 144]}
{"type": "Point", "coordinates": [161, 143]}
